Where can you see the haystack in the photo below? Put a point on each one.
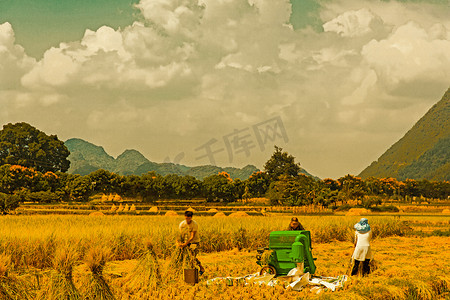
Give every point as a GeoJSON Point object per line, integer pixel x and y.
{"type": "Point", "coordinates": [171, 213]}
{"type": "Point", "coordinates": [96, 214]}
{"type": "Point", "coordinates": [220, 214]}
{"type": "Point", "coordinates": [213, 210]}
{"type": "Point", "coordinates": [153, 209]}
{"type": "Point", "coordinates": [127, 208]}
{"type": "Point", "coordinates": [239, 214]}
{"type": "Point", "coordinates": [113, 208]}
{"type": "Point", "coordinates": [190, 209]}
{"type": "Point", "coordinates": [133, 208]}
{"type": "Point", "coordinates": [357, 212]}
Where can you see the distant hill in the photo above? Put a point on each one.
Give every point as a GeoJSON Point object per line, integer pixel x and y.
{"type": "Point", "coordinates": [424, 151]}
{"type": "Point", "coordinates": [86, 157]}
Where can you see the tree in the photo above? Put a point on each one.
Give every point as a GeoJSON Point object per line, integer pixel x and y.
{"type": "Point", "coordinates": [299, 190]}
{"type": "Point", "coordinates": [8, 202]}
{"type": "Point", "coordinates": [281, 163]}
{"type": "Point", "coordinates": [105, 182]}
{"type": "Point", "coordinates": [257, 184]}
{"type": "Point", "coordinates": [219, 188]}
{"type": "Point", "coordinates": [80, 188]}
{"type": "Point", "coordinates": [22, 144]}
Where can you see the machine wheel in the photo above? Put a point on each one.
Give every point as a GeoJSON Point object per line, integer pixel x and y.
{"type": "Point", "coordinates": [267, 270]}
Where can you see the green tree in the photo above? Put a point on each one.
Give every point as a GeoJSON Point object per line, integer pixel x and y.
{"type": "Point", "coordinates": [80, 188]}
{"type": "Point", "coordinates": [257, 184]}
{"type": "Point", "coordinates": [151, 186]}
{"type": "Point", "coordinates": [105, 182]}
{"type": "Point", "coordinates": [219, 188]}
{"type": "Point", "coordinates": [8, 202]}
{"type": "Point", "coordinates": [351, 188]}
{"type": "Point", "coordinates": [301, 190]}
{"type": "Point", "coordinates": [281, 163]}
{"type": "Point", "coordinates": [22, 144]}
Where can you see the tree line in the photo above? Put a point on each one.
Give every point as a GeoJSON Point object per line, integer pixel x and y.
{"type": "Point", "coordinates": [33, 167]}
{"type": "Point", "coordinates": [280, 181]}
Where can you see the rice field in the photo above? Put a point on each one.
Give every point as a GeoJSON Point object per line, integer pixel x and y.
{"type": "Point", "coordinates": [99, 257]}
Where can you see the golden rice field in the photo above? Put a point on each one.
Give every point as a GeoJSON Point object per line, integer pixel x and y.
{"type": "Point", "coordinates": [108, 257]}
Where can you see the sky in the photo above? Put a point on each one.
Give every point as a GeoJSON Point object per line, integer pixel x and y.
{"type": "Point", "coordinates": [334, 83]}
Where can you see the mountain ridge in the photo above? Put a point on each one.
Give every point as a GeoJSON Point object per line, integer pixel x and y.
{"type": "Point", "coordinates": [422, 153]}
{"type": "Point", "coordinates": [86, 157]}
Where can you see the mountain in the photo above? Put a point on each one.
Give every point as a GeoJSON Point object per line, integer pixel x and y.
{"type": "Point", "coordinates": [86, 157]}
{"type": "Point", "coordinates": [423, 153]}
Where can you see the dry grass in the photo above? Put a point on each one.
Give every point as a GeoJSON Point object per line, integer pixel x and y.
{"type": "Point", "coordinates": [407, 267]}
{"type": "Point", "coordinates": [94, 285]}
{"type": "Point", "coordinates": [60, 284]}
{"type": "Point", "coordinates": [146, 275]}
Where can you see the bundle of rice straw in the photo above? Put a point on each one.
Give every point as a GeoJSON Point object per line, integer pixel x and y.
{"type": "Point", "coordinates": [146, 276]}
{"type": "Point", "coordinates": [61, 280]}
{"type": "Point", "coordinates": [11, 287]}
{"type": "Point", "coordinates": [94, 285]}
{"type": "Point", "coordinates": [182, 258]}
{"type": "Point", "coordinates": [266, 257]}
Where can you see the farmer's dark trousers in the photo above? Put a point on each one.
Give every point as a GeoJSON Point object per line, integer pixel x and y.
{"type": "Point", "coordinates": [365, 270]}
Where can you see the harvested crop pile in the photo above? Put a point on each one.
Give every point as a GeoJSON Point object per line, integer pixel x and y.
{"type": "Point", "coordinates": [357, 211]}
{"type": "Point", "coordinates": [94, 284]}
{"type": "Point", "coordinates": [153, 209]}
{"type": "Point", "coordinates": [146, 276]}
{"type": "Point", "coordinates": [60, 285]}
{"type": "Point", "coordinates": [11, 287]}
{"type": "Point", "coordinates": [96, 213]}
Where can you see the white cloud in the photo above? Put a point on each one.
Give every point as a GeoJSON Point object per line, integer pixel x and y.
{"type": "Point", "coordinates": [55, 69]}
{"type": "Point", "coordinates": [354, 23]}
{"type": "Point", "coordinates": [13, 60]}
{"type": "Point", "coordinates": [175, 17]}
{"type": "Point", "coordinates": [408, 56]}
{"type": "Point", "coordinates": [190, 71]}
{"type": "Point", "coordinates": [105, 39]}
{"type": "Point", "coordinates": [359, 95]}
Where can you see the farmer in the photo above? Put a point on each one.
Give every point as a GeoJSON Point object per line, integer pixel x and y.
{"type": "Point", "coordinates": [362, 252]}
{"type": "Point", "coordinates": [295, 225]}
{"type": "Point", "coordinates": [189, 236]}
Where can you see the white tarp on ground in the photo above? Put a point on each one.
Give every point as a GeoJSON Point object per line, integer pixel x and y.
{"type": "Point", "coordinates": [293, 280]}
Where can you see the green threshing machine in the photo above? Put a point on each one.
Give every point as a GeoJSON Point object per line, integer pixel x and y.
{"type": "Point", "coordinates": [286, 249]}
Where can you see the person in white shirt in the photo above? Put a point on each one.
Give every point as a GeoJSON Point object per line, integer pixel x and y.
{"type": "Point", "coordinates": [189, 236]}
{"type": "Point", "coordinates": [362, 252]}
